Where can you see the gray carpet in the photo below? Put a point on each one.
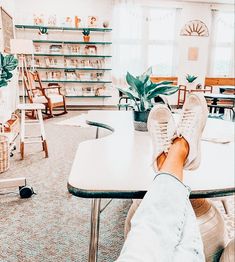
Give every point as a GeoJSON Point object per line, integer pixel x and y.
{"type": "Point", "coordinates": [53, 225]}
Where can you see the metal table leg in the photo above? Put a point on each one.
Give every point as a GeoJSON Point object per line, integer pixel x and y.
{"type": "Point", "coordinates": [94, 235]}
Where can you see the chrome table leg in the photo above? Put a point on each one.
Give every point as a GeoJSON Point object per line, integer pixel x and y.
{"type": "Point", "coordinates": [94, 235]}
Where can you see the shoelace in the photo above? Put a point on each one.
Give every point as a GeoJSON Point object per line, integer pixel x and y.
{"type": "Point", "coordinates": [161, 135]}
{"type": "Point", "coordinates": [186, 127]}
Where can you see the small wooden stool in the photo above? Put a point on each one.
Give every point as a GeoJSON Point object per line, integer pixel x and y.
{"type": "Point", "coordinates": [37, 108]}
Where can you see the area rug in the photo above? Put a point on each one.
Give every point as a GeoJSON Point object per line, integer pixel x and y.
{"type": "Point", "coordinates": [79, 120]}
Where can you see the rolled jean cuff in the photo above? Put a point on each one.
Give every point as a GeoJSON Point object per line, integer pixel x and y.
{"type": "Point", "coordinates": [174, 177]}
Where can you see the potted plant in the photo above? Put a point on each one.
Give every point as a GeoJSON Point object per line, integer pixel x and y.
{"type": "Point", "coordinates": [191, 79]}
{"type": "Point", "coordinates": [142, 91]}
{"type": "Point", "coordinates": [7, 64]}
{"type": "Point", "coordinates": [86, 35]}
{"type": "Point", "coordinates": [43, 32]}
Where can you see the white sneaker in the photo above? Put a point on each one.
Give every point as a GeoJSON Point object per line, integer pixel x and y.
{"type": "Point", "coordinates": [191, 125]}
{"type": "Point", "coordinates": [162, 129]}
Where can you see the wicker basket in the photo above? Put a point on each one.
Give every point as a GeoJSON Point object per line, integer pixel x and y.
{"type": "Point", "coordinates": [4, 153]}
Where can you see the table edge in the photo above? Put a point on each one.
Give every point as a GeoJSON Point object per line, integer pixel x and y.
{"type": "Point", "coordinates": [83, 193]}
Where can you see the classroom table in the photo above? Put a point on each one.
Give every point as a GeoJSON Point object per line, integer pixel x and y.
{"type": "Point", "coordinates": [227, 88]}
{"type": "Point", "coordinates": [120, 165]}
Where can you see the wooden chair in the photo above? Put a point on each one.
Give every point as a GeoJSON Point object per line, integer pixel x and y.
{"type": "Point", "coordinates": [182, 92]}
{"type": "Point", "coordinates": [50, 96]}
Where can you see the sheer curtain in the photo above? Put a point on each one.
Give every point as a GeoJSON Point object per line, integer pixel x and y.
{"type": "Point", "coordinates": [127, 37]}
{"type": "Point", "coordinates": [143, 36]}
{"type": "Point", "coordinates": [222, 52]}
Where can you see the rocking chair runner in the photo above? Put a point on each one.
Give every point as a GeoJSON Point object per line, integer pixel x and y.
{"type": "Point", "coordinates": [50, 96]}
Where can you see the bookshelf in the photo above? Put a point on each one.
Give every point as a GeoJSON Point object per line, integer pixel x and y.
{"type": "Point", "coordinates": [82, 68]}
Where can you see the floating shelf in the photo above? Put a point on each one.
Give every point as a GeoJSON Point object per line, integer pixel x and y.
{"type": "Point", "coordinates": [73, 55]}
{"type": "Point", "coordinates": [87, 96]}
{"type": "Point", "coordinates": [73, 68]}
{"type": "Point", "coordinates": [61, 28]}
{"type": "Point", "coordinates": [72, 42]}
{"type": "Point", "coordinates": [74, 81]}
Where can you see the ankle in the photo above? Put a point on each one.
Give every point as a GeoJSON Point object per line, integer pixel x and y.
{"type": "Point", "coordinates": [182, 145]}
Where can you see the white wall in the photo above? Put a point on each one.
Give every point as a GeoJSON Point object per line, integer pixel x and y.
{"type": "Point", "coordinates": [103, 9]}
{"type": "Point", "coordinates": [9, 92]}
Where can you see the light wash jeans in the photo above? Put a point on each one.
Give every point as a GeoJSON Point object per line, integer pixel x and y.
{"type": "Point", "coordinates": [164, 227]}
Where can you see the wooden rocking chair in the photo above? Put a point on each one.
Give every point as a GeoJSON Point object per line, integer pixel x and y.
{"type": "Point", "coordinates": [50, 96]}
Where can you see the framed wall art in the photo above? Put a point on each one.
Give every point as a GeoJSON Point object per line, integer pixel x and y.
{"type": "Point", "coordinates": [6, 26]}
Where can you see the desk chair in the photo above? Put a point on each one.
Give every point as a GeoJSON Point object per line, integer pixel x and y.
{"type": "Point", "coordinates": [183, 91]}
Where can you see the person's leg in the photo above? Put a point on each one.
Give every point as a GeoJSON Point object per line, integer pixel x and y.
{"type": "Point", "coordinates": [164, 222]}
{"type": "Point", "coordinates": [157, 225]}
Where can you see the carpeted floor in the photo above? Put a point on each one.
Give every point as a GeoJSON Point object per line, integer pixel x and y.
{"type": "Point", "coordinates": [53, 225]}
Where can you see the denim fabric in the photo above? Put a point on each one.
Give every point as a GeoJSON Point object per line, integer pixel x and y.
{"type": "Point", "coordinates": [164, 227]}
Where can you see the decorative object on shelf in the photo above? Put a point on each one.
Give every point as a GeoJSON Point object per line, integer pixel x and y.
{"type": "Point", "coordinates": [43, 32]}
{"type": "Point", "coordinates": [70, 74]}
{"type": "Point", "coordinates": [67, 21]}
{"type": "Point", "coordinates": [86, 35]}
{"type": "Point", "coordinates": [142, 90]}
{"type": "Point", "coordinates": [56, 49]}
{"type": "Point", "coordinates": [100, 91]}
{"type": "Point", "coordinates": [88, 91]}
{"type": "Point", "coordinates": [90, 49]}
{"type": "Point", "coordinates": [92, 21]}
{"type": "Point", "coordinates": [195, 28]}
{"type": "Point", "coordinates": [52, 20]}
{"type": "Point", "coordinates": [38, 20]}
{"type": "Point", "coordinates": [191, 79]}
{"type": "Point", "coordinates": [106, 24]}
{"type": "Point", "coordinates": [77, 21]}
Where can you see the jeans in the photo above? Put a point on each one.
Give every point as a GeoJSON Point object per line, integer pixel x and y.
{"type": "Point", "coordinates": [164, 227]}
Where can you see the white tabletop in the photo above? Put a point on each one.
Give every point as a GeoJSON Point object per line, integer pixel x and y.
{"type": "Point", "coordinates": [120, 163]}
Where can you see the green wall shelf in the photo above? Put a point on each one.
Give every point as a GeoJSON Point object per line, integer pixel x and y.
{"type": "Point", "coordinates": [72, 42]}
{"type": "Point", "coordinates": [96, 29]}
{"type": "Point", "coordinates": [87, 96]}
{"type": "Point", "coordinates": [74, 81]}
{"type": "Point", "coordinates": [74, 55]}
{"type": "Point", "coordinates": [73, 68]}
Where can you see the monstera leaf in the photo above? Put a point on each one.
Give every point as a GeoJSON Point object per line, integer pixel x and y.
{"type": "Point", "coordinates": [7, 63]}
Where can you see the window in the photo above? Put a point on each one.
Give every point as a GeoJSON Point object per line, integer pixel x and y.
{"type": "Point", "coordinates": [222, 51]}
{"type": "Point", "coordinates": [143, 37]}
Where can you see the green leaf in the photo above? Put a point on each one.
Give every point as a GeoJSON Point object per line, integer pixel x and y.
{"type": "Point", "coordinates": [162, 90]}
{"type": "Point", "coordinates": [9, 75]}
{"type": "Point", "coordinates": [135, 83]}
{"type": "Point", "coordinates": [3, 83]}
{"type": "Point", "coordinates": [9, 62]}
{"type": "Point", "coordinates": [154, 85]}
{"type": "Point", "coordinates": [191, 78]}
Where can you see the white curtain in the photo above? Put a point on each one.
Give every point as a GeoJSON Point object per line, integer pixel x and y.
{"type": "Point", "coordinates": [127, 35]}
{"type": "Point", "coordinates": [143, 35]}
